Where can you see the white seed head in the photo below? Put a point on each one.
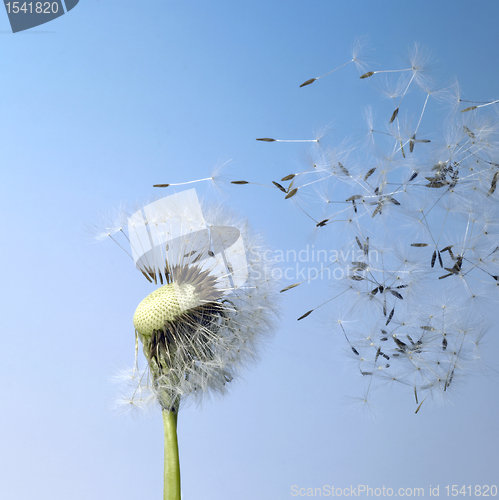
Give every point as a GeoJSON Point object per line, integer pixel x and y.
{"type": "Point", "coordinates": [215, 303]}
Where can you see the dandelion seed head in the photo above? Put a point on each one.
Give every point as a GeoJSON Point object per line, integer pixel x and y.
{"type": "Point", "coordinates": [214, 305]}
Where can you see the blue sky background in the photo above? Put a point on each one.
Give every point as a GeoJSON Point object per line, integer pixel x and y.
{"type": "Point", "coordinates": [116, 96]}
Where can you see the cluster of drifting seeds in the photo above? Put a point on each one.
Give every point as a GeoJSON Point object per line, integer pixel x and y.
{"type": "Point", "coordinates": [419, 213]}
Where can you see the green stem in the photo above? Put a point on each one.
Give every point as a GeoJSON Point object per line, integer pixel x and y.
{"type": "Point", "coordinates": [172, 465]}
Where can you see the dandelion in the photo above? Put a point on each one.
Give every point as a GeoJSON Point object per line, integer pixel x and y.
{"type": "Point", "coordinates": [215, 305]}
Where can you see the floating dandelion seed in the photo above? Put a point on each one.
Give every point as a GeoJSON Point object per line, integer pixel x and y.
{"type": "Point", "coordinates": [356, 59]}
{"type": "Point", "coordinates": [217, 177]}
{"type": "Point", "coordinates": [215, 305]}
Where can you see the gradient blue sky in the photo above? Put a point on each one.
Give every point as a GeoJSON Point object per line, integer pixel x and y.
{"type": "Point", "coordinates": [116, 96]}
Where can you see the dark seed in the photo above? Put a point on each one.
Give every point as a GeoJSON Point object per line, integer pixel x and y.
{"type": "Point", "coordinates": [308, 82]}
{"type": "Point", "coordinates": [394, 115]}
{"type": "Point", "coordinates": [354, 197]}
{"type": "Point", "coordinates": [433, 258]}
{"type": "Point", "coordinates": [279, 186]}
{"type": "Point", "coordinates": [371, 172]}
{"type": "Point", "coordinates": [305, 315]}
{"type": "Point", "coordinates": [391, 316]}
{"type": "Point", "coordinates": [469, 132]}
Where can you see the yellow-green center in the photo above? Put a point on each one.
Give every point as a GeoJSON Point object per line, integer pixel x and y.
{"type": "Point", "coordinates": [164, 304]}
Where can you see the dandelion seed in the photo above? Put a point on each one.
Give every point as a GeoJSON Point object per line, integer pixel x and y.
{"type": "Point", "coordinates": [436, 184]}
{"type": "Point", "coordinates": [268, 139]}
{"type": "Point", "coordinates": [343, 169]}
{"type": "Point", "coordinates": [493, 184]}
{"type": "Point", "coordinates": [355, 351]}
{"type": "Point", "coordinates": [394, 115]}
{"type": "Point", "coordinates": [433, 258]}
{"type": "Point", "coordinates": [305, 315]}
{"type": "Point", "coordinates": [469, 109]}
{"type": "Point", "coordinates": [357, 278]}
{"type": "Point", "coordinates": [482, 105]}
{"type": "Point", "coordinates": [450, 379]}
{"type": "Point", "coordinates": [399, 343]}
{"type": "Point", "coordinates": [367, 75]}
{"type": "Point", "coordinates": [469, 132]}
{"type": "Point", "coordinates": [419, 407]}
{"type": "Point", "coordinates": [390, 316]}
{"type": "Point", "coordinates": [354, 197]}
{"type": "Point", "coordinates": [288, 177]}
{"type": "Point", "coordinates": [396, 294]}
{"type": "Point", "coordinates": [322, 223]}
{"type": "Point", "coordinates": [413, 176]}
{"type": "Point", "coordinates": [360, 265]}
{"type": "Point", "coordinates": [161, 185]}
{"type": "Point", "coordinates": [378, 209]}
{"type": "Point", "coordinates": [289, 287]}
{"type": "Point", "coordinates": [308, 82]}
{"type": "Point", "coordinates": [369, 173]}
{"type": "Point", "coordinates": [445, 276]}
{"type": "Point", "coordinates": [354, 59]}
{"type": "Point", "coordinates": [291, 193]}
{"type": "Point", "coordinates": [419, 245]}
{"type": "Point", "coordinates": [239, 182]}
{"type": "Point", "coordinates": [279, 186]}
